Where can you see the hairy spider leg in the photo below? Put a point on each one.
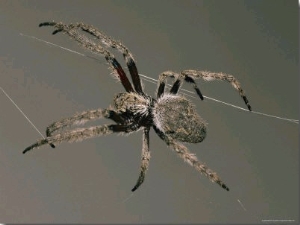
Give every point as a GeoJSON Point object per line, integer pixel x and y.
{"type": "Point", "coordinates": [145, 159]}
{"type": "Point", "coordinates": [89, 44]}
{"type": "Point", "coordinates": [190, 158]}
{"type": "Point", "coordinates": [80, 134]}
{"type": "Point", "coordinates": [82, 118]}
{"type": "Point", "coordinates": [110, 42]}
{"type": "Point", "coordinates": [209, 76]}
{"type": "Point", "coordinates": [177, 83]}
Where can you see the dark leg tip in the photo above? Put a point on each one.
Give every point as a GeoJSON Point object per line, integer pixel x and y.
{"type": "Point", "coordinates": [56, 31]}
{"type": "Point", "coordinates": [42, 24]}
{"type": "Point", "coordinates": [47, 24]}
{"type": "Point", "coordinates": [52, 145]}
{"type": "Point", "coordinates": [199, 93]}
{"type": "Point", "coordinates": [135, 188]}
{"type": "Point", "coordinates": [225, 187]}
{"type": "Point", "coordinates": [249, 107]}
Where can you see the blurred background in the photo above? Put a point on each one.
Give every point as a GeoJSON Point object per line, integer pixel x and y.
{"type": "Point", "coordinates": [90, 181]}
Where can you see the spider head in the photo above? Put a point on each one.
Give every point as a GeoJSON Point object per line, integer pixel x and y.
{"type": "Point", "coordinates": [176, 117]}
{"type": "Point", "coordinates": [132, 103]}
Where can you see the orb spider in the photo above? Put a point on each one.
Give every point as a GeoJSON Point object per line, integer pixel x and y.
{"type": "Point", "coordinates": [172, 116]}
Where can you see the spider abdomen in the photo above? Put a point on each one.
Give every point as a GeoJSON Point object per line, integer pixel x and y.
{"type": "Point", "coordinates": [176, 117]}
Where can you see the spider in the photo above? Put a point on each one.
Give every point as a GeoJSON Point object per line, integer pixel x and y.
{"type": "Point", "coordinates": [172, 116]}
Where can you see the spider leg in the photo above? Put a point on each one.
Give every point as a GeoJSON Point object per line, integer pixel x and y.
{"type": "Point", "coordinates": [145, 159]}
{"type": "Point", "coordinates": [209, 76]}
{"type": "Point", "coordinates": [190, 158]}
{"type": "Point", "coordinates": [92, 46]}
{"type": "Point", "coordinates": [177, 83]}
{"type": "Point", "coordinates": [83, 133]}
{"type": "Point", "coordinates": [162, 81]}
{"type": "Point", "coordinates": [82, 118]}
{"type": "Point", "coordinates": [110, 42]}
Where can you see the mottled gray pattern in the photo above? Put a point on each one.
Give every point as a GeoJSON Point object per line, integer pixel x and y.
{"type": "Point", "coordinates": [177, 118]}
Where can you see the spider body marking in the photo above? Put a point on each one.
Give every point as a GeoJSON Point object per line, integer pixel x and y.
{"type": "Point", "coordinates": [176, 117]}
{"type": "Point", "coordinates": [173, 117]}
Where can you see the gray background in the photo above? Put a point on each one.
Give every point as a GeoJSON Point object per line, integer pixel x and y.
{"type": "Point", "coordinates": [88, 182]}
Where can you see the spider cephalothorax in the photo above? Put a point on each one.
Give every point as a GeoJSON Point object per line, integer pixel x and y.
{"type": "Point", "coordinates": [173, 117]}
